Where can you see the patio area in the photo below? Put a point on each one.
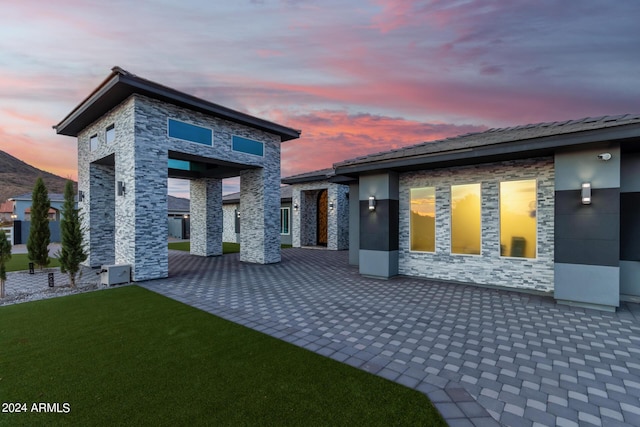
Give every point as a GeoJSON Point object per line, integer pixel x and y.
{"type": "Point", "coordinates": [481, 355]}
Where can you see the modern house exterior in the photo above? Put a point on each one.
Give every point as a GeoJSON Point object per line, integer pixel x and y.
{"type": "Point", "coordinates": [549, 207]}
{"type": "Point", "coordinates": [132, 135]}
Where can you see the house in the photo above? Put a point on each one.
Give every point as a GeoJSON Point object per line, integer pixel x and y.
{"type": "Point", "coordinates": [178, 213]}
{"type": "Point", "coordinates": [20, 216]}
{"type": "Point", "coordinates": [232, 220]}
{"type": "Point", "coordinates": [549, 208]}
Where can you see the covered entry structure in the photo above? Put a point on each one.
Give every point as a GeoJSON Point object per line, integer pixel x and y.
{"type": "Point", "coordinates": [133, 134]}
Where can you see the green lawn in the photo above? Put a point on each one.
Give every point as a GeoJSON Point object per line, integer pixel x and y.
{"type": "Point", "coordinates": [21, 262]}
{"type": "Point", "coordinates": [128, 356]}
{"type": "Point", "coordinates": [227, 247]}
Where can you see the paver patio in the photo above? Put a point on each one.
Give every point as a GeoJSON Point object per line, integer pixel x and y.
{"type": "Point", "coordinates": [480, 354]}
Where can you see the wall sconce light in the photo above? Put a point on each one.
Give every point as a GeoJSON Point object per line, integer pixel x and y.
{"type": "Point", "coordinates": [372, 203]}
{"type": "Point", "coordinates": [80, 196]}
{"type": "Point", "coordinates": [185, 216]}
{"type": "Point", "coordinates": [238, 214]}
{"type": "Point", "coordinates": [14, 216]}
{"type": "Point", "coordinates": [331, 206]}
{"type": "Point", "coordinates": [121, 188]}
{"type": "Point", "coordinates": [586, 193]}
{"type": "Point", "coordinates": [295, 207]}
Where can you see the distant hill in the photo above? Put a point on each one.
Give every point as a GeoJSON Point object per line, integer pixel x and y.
{"type": "Point", "coordinates": [17, 177]}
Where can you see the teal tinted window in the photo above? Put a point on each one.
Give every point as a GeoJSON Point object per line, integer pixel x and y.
{"type": "Point", "coordinates": [245, 145]}
{"type": "Point", "coordinates": [183, 165]}
{"type": "Point", "coordinates": [190, 132]}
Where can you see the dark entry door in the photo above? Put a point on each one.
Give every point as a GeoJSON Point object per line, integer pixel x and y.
{"type": "Point", "coordinates": [323, 210]}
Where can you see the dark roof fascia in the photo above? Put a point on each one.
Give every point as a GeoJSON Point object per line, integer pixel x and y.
{"type": "Point", "coordinates": [304, 179]}
{"type": "Point", "coordinates": [534, 147]}
{"type": "Point", "coordinates": [343, 179]}
{"type": "Point", "coordinates": [132, 84]}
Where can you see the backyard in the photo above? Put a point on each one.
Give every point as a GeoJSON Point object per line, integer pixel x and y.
{"type": "Point", "coordinates": [130, 356]}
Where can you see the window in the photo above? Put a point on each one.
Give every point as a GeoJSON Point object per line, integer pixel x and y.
{"type": "Point", "coordinates": [244, 145]}
{"type": "Point", "coordinates": [110, 134]}
{"type": "Point", "coordinates": [465, 219]}
{"type": "Point", "coordinates": [423, 219]}
{"type": "Point", "coordinates": [189, 132]}
{"type": "Point", "coordinates": [284, 220]}
{"type": "Point", "coordinates": [93, 143]}
{"type": "Point", "coordinates": [518, 223]}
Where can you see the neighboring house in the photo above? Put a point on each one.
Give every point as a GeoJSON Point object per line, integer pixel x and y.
{"type": "Point", "coordinates": [320, 214]}
{"type": "Point", "coordinates": [232, 220]}
{"type": "Point", "coordinates": [550, 207]}
{"type": "Point", "coordinates": [20, 208]}
{"type": "Point", "coordinates": [179, 211]}
{"type": "Point", "coordinates": [6, 212]}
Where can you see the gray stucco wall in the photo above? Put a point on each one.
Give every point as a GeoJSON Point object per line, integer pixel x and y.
{"type": "Point", "coordinates": [489, 268]}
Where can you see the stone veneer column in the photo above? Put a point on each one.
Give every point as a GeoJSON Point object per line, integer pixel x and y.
{"type": "Point", "coordinates": [260, 215]}
{"type": "Point", "coordinates": [98, 208]}
{"type": "Point", "coordinates": [338, 218]}
{"type": "Point", "coordinates": [295, 217]}
{"type": "Point", "coordinates": [206, 217]}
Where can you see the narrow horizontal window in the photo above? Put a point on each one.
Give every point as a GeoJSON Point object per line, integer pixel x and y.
{"type": "Point", "coordinates": [466, 228]}
{"type": "Point", "coordinates": [249, 146]}
{"type": "Point", "coordinates": [189, 132]}
{"type": "Point", "coordinates": [518, 218]}
{"type": "Point", "coordinates": [423, 219]}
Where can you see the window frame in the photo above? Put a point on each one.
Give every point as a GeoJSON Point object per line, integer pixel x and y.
{"type": "Point", "coordinates": [479, 184]}
{"type": "Point", "coordinates": [435, 214]}
{"type": "Point", "coordinates": [111, 127]}
{"type": "Point", "coordinates": [536, 255]}
{"type": "Point", "coordinates": [92, 139]}
{"type": "Point", "coordinates": [286, 209]}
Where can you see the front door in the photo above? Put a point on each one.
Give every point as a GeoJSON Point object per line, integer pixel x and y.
{"type": "Point", "coordinates": [323, 210]}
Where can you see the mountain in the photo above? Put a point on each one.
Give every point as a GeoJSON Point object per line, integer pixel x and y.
{"type": "Point", "coordinates": [17, 177]}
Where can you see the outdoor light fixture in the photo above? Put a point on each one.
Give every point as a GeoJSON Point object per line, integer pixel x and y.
{"type": "Point", "coordinates": [586, 193]}
{"type": "Point", "coordinates": [295, 207]}
{"type": "Point", "coordinates": [372, 203]}
{"type": "Point", "coordinates": [330, 205]}
{"type": "Point", "coordinates": [185, 216]}
{"type": "Point", "coordinates": [121, 188]}
{"type": "Point", "coordinates": [14, 216]}
{"type": "Point", "coordinates": [81, 196]}
{"type": "Point", "coordinates": [238, 214]}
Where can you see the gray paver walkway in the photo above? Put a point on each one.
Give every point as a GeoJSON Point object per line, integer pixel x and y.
{"type": "Point", "coordinates": [481, 355]}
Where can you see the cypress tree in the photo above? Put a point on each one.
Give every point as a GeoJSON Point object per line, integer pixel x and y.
{"type": "Point", "coordinates": [5, 255]}
{"type": "Point", "coordinates": [72, 252]}
{"type": "Point", "coordinates": [39, 234]}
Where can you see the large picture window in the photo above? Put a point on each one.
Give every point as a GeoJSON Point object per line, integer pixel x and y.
{"type": "Point", "coordinates": [284, 220]}
{"type": "Point", "coordinates": [465, 219]}
{"type": "Point", "coordinates": [423, 219]}
{"type": "Point", "coordinates": [518, 223]}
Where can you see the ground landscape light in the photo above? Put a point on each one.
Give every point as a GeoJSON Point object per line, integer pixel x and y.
{"type": "Point", "coordinates": [372, 203]}
{"type": "Point", "coordinates": [586, 193]}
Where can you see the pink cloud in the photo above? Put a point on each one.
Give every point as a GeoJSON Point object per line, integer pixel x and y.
{"type": "Point", "coordinates": [332, 136]}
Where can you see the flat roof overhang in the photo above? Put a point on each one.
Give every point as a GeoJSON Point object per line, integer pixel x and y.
{"type": "Point", "coordinates": [513, 150]}
{"type": "Point", "coordinates": [120, 84]}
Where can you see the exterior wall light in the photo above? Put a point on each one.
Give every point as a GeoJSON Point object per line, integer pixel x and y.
{"type": "Point", "coordinates": [238, 214]}
{"type": "Point", "coordinates": [81, 196]}
{"type": "Point", "coordinates": [121, 188]}
{"type": "Point", "coordinates": [331, 206]}
{"type": "Point", "coordinates": [295, 207]}
{"type": "Point", "coordinates": [586, 193]}
{"type": "Point", "coordinates": [14, 216]}
{"type": "Point", "coordinates": [372, 203]}
{"type": "Point", "coordinates": [185, 216]}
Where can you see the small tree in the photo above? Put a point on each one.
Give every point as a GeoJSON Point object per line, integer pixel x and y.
{"type": "Point", "coordinates": [39, 234]}
{"type": "Point", "coordinates": [72, 252]}
{"type": "Point", "coordinates": [5, 255]}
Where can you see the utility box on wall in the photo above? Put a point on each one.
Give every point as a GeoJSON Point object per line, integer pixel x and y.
{"type": "Point", "coordinates": [115, 274]}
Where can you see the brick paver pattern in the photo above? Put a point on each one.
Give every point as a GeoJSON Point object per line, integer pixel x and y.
{"type": "Point", "coordinates": [481, 355]}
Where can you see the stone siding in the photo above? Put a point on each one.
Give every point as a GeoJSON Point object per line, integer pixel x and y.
{"type": "Point", "coordinates": [229, 223]}
{"type": "Point", "coordinates": [489, 268]}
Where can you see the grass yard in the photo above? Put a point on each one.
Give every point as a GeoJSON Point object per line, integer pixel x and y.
{"type": "Point", "coordinates": [21, 262]}
{"type": "Point", "coordinates": [128, 356]}
{"type": "Point", "coordinates": [227, 247]}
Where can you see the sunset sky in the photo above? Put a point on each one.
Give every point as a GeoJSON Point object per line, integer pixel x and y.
{"type": "Point", "coordinates": [356, 76]}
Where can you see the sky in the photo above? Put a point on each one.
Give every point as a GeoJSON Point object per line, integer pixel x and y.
{"type": "Point", "coordinates": [357, 77]}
